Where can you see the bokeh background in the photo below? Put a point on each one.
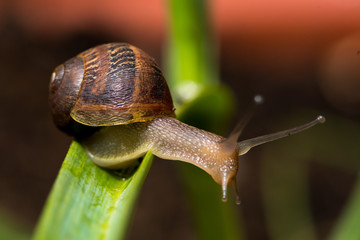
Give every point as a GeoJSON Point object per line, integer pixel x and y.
{"type": "Point", "coordinates": [303, 56]}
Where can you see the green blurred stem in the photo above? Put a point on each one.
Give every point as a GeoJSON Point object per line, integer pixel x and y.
{"type": "Point", "coordinates": [193, 77]}
{"type": "Point", "coordinates": [340, 148]}
{"type": "Point", "coordinates": [11, 227]}
{"type": "Point", "coordinates": [348, 225]}
{"type": "Point", "coordinates": [284, 172]}
{"type": "Point", "coordinates": [285, 194]}
{"type": "Point", "coordinates": [284, 175]}
{"type": "Point", "coordinates": [191, 63]}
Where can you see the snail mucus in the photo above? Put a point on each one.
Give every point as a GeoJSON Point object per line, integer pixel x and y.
{"type": "Point", "coordinates": [121, 89]}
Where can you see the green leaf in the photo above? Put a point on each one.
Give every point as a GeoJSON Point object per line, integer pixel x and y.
{"type": "Point", "coordinates": [88, 202]}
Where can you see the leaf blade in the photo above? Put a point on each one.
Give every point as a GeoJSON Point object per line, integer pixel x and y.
{"type": "Point", "coordinates": [88, 202]}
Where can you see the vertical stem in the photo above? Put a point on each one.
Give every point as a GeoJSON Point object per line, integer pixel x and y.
{"type": "Point", "coordinates": [193, 77]}
{"type": "Point", "coordinates": [348, 225]}
{"type": "Point", "coordinates": [191, 53]}
{"type": "Point", "coordinates": [285, 195]}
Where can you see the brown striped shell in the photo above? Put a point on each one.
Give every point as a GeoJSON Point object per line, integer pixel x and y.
{"type": "Point", "coordinates": [111, 84]}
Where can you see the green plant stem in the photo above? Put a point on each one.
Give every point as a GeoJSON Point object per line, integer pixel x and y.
{"type": "Point", "coordinates": [204, 103]}
{"type": "Point", "coordinates": [285, 193]}
{"type": "Point", "coordinates": [11, 227]}
{"type": "Point", "coordinates": [348, 225]}
{"type": "Point", "coordinates": [191, 61]}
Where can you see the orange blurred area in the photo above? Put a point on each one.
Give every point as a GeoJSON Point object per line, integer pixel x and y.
{"type": "Point", "coordinates": [340, 81]}
{"type": "Point", "coordinates": [59, 17]}
{"type": "Point", "coordinates": [276, 36]}
{"type": "Point", "coordinates": [304, 22]}
{"type": "Point", "coordinates": [134, 19]}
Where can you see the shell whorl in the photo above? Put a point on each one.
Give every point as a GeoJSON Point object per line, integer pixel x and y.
{"type": "Point", "coordinates": [64, 88]}
{"type": "Point", "coordinates": [111, 84]}
{"type": "Point", "coordinates": [122, 84]}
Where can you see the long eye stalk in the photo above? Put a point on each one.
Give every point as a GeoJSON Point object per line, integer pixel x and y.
{"type": "Point", "coordinates": [231, 144]}
{"type": "Point", "coordinates": [246, 145]}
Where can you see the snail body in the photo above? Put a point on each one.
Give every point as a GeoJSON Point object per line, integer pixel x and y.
{"type": "Point", "coordinates": [166, 137]}
{"type": "Point", "coordinates": [121, 89]}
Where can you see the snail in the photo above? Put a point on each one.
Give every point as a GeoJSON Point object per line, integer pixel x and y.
{"type": "Point", "coordinates": [121, 89]}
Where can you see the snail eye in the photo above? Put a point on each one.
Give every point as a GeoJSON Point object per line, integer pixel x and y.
{"type": "Point", "coordinates": [56, 77]}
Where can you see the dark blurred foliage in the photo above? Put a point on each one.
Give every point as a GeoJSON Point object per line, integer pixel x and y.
{"type": "Point", "coordinates": [298, 55]}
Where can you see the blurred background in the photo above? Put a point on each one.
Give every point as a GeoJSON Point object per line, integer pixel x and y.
{"type": "Point", "coordinates": [303, 56]}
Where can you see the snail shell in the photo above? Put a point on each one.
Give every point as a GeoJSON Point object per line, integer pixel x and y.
{"type": "Point", "coordinates": [111, 84]}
